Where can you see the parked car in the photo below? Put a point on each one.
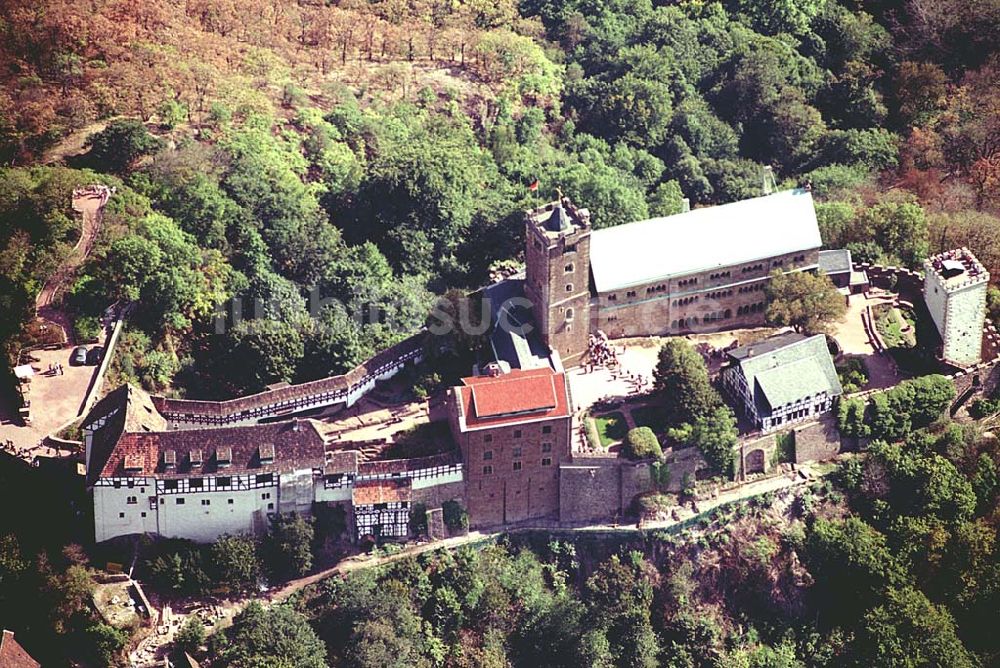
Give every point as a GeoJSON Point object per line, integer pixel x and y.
{"type": "Point", "coordinates": [79, 355]}
{"type": "Point", "coordinates": [95, 355]}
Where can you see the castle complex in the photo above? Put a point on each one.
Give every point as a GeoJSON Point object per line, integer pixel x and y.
{"type": "Point", "coordinates": [198, 469]}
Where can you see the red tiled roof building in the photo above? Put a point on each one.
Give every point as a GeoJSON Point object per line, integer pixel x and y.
{"type": "Point", "coordinates": [12, 655]}
{"type": "Point", "coordinates": [514, 431]}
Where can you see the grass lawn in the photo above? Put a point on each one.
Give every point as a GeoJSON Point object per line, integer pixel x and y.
{"type": "Point", "coordinates": [611, 428]}
{"type": "Point", "coordinates": [649, 416]}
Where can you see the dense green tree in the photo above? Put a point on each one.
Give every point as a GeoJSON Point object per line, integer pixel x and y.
{"type": "Point", "coordinates": [906, 629]}
{"type": "Point", "coordinates": [641, 443]}
{"type": "Point", "coordinates": [856, 563]}
{"type": "Point", "coordinates": [682, 384]}
{"type": "Point", "coordinates": [191, 636]}
{"type": "Point", "coordinates": [118, 146]}
{"type": "Point", "coordinates": [276, 636]}
{"type": "Point", "coordinates": [715, 435]}
{"type": "Point", "coordinates": [235, 563]}
{"type": "Point", "coordinates": [807, 302]}
{"type": "Point", "coordinates": [287, 547]}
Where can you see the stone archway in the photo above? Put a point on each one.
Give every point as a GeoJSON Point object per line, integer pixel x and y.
{"type": "Point", "coordinates": [755, 461]}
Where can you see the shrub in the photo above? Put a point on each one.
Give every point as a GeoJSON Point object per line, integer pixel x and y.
{"type": "Point", "coordinates": [87, 328]}
{"type": "Point", "coordinates": [641, 443]}
{"type": "Point", "coordinates": [456, 518]}
{"type": "Point", "coordinates": [418, 519]}
{"type": "Point", "coordinates": [190, 636]}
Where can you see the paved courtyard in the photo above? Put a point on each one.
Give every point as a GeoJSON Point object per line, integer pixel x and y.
{"type": "Point", "coordinates": [55, 400]}
{"type": "Point", "coordinates": [854, 340]}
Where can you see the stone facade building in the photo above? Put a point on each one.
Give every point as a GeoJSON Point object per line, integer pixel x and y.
{"type": "Point", "coordinates": [955, 286]}
{"type": "Point", "coordinates": [781, 380]}
{"type": "Point", "coordinates": [514, 431]}
{"type": "Point", "coordinates": [698, 271]}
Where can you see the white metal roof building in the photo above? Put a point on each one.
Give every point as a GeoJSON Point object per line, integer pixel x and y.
{"type": "Point", "coordinates": [703, 239]}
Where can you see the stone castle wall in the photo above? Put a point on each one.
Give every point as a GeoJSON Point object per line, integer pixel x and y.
{"type": "Point", "coordinates": [818, 441]}
{"type": "Point", "coordinates": [600, 488]}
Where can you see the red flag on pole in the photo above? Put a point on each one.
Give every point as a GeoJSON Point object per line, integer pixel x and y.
{"type": "Point", "coordinates": [533, 186]}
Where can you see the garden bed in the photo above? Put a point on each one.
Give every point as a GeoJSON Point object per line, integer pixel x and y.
{"type": "Point", "coordinates": [611, 428]}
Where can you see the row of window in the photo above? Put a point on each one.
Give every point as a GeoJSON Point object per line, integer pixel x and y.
{"type": "Point", "coordinates": [684, 301]}
{"type": "Point", "coordinates": [546, 429]}
{"type": "Point", "coordinates": [180, 501]}
{"type": "Point", "coordinates": [750, 308]}
{"type": "Point", "coordinates": [683, 323]}
{"type": "Point", "coordinates": [656, 288]}
{"type": "Point", "coordinates": [756, 287]}
{"type": "Point", "coordinates": [515, 452]}
{"type": "Point", "coordinates": [721, 274]}
{"type": "Point", "coordinates": [719, 294]}
{"type": "Point", "coordinates": [687, 281]}
{"type": "Point", "coordinates": [488, 468]}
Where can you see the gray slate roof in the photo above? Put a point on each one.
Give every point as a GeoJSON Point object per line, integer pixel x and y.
{"type": "Point", "coordinates": [703, 239]}
{"type": "Point", "coordinates": [786, 368]}
{"type": "Point", "coordinates": [835, 261]}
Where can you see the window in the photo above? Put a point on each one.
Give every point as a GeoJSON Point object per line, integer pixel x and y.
{"type": "Point", "coordinates": [118, 484]}
{"type": "Point", "coordinates": [517, 433]}
{"type": "Point", "coordinates": [547, 429]}
{"type": "Point", "coordinates": [196, 483]}
{"type": "Point", "coordinates": [570, 248]}
{"type": "Point", "coordinates": [265, 496]}
{"type": "Point", "coordinates": [144, 513]}
{"type": "Point", "coordinates": [546, 447]}
{"type": "Point", "coordinates": [170, 485]}
{"type": "Point", "coordinates": [569, 287]}
{"type": "Point", "coordinates": [270, 506]}
{"type": "Point", "coordinates": [612, 298]}
{"type": "Point", "coordinates": [206, 502]}
{"type": "Point", "coordinates": [487, 470]}
{"type": "Point", "coordinates": [517, 466]}
{"type": "Point", "coordinates": [121, 516]}
{"type": "Point", "coordinates": [224, 481]}
{"type": "Point", "coordinates": [180, 501]}
{"type": "Point", "coordinates": [487, 438]}
{"type": "Point", "coordinates": [131, 500]}
{"type": "Point", "coordinates": [569, 269]}
{"type": "Point", "coordinates": [547, 461]}
{"type": "Point", "coordinates": [487, 455]}
{"type": "Point", "coordinates": [230, 502]}
{"type": "Point", "coordinates": [569, 314]}
{"type": "Point", "coordinates": [265, 478]}
{"type": "Point", "coordinates": [516, 452]}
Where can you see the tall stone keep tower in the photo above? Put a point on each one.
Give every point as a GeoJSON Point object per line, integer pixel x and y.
{"type": "Point", "coordinates": [955, 291]}
{"type": "Point", "coordinates": [557, 278]}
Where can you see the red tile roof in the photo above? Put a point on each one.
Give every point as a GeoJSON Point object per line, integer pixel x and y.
{"type": "Point", "coordinates": [12, 655]}
{"type": "Point", "coordinates": [297, 445]}
{"type": "Point", "coordinates": [370, 492]}
{"type": "Point", "coordinates": [510, 396]}
{"type": "Point", "coordinates": [517, 396]}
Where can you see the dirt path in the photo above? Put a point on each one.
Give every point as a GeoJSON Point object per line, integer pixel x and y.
{"type": "Point", "coordinates": [91, 206]}
{"type": "Point", "coordinates": [74, 144]}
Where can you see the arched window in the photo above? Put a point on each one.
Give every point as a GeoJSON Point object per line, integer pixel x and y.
{"type": "Point", "coordinates": [569, 314]}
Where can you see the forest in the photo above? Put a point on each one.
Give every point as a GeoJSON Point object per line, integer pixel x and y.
{"type": "Point", "coordinates": [890, 562]}
{"type": "Point", "coordinates": [297, 181]}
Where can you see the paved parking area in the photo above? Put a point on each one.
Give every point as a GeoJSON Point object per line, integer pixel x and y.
{"type": "Point", "coordinates": [55, 400]}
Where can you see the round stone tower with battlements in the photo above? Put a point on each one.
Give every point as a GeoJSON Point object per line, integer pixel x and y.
{"type": "Point", "coordinates": [557, 280]}
{"type": "Point", "coordinates": [955, 292]}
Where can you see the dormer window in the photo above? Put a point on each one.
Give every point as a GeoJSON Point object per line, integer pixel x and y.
{"type": "Point", "coordinates": [133, 463]}
{"type": "Point", "coordinates": [266, 453]}
{"type": "Point", "coordinates": [195, 457]}
{"type": "Point", "coordinates": [224, 457]}
{"type": "Point", "coordinates": [169, 459]}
